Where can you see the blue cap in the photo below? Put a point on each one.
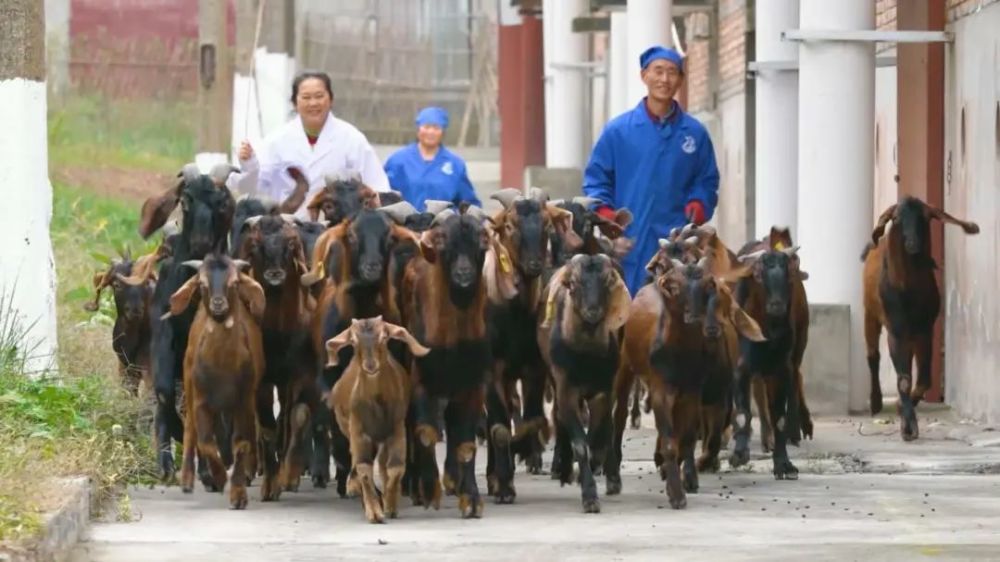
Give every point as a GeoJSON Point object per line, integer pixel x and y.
{"type": "Point", "coordinates": [433, 116]}
{"type": "Point", "coordinates": [660, 52]}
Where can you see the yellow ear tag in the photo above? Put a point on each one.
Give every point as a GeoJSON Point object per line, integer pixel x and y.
{"type": "Point", "coordinates": [504, 262]}
{"type": "Point", "coordinates": [322, 270]}
{"type": "Point", "coordinates": [550, 310]}
{"type": "Point", "coordinates": [779, 246]}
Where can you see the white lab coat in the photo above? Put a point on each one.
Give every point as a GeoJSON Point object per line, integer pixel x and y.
{"type": "Point", "coordinates": [341, 149]}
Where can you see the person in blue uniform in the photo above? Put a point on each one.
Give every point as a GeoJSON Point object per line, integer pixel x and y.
{"type": "Point", "coordinates": [426, 169]}
{"type": "Point", "coordinates": [655, 160]}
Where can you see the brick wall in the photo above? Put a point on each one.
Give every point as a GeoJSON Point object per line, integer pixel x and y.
{"type": "Point", "coordinates": [697, 63]}
{"type": "Point", "coordinates": [732, 53]}
{"type": "Point", "coordinates": [961, 8]}
{"type": "Point", "coordinates": [885, 20]}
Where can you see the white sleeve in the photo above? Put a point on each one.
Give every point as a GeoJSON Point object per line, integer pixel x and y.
{"type": "Point", "coordinates": [372, 173]}
{"type": "Point", "coordinates": [246, 181]}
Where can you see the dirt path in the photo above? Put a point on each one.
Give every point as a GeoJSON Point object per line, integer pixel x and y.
{"type": "Point", "coordinates": [119, 183]}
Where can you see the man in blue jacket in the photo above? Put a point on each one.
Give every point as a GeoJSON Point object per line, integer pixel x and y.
{"type": "Point", "coordinates": [426, 169]}
{"type": "Point", "coordinates": [655, 160]}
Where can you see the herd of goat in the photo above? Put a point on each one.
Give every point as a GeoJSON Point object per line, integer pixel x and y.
{"type": "Point", "coordinates": [380, 328]}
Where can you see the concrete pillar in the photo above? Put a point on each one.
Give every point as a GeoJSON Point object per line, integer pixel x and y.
{"type": "Point", "coordinates": [565, 86]}
{"type": "Point", "coordinates": [777, 107]}
{"type": "Point", "coordinates": [27, 270]}
{"type": "Point", "coordinates": [215, 92]}
{"type": "Point", "coordinates": [618, 66]}
{"type": "Point", "coordinates": [649, 23]}
{"type": "Point", "coordinates": [920, 129]}
{"type": "Point", "coordinates": [836, 165]}
{"type": "Point", "coordinates": [57, 14]}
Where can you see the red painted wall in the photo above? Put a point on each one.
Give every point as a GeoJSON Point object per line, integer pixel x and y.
{"type": "Point", "coordinates": [521, 100]}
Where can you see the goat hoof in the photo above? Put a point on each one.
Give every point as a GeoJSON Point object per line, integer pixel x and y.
{"type": "Point", "coordinates": [613, 485]}
{"type": "Point", "coordinates": [166, 466]}
{"type": "Point", "coordinates": [471, 506]}
{"type": "Point", "coordinates": [739, 457]}
{"type": "Point", "coordinates": [238, 498]}
{"type": "Point", "coordinates": [679, 502]}
{"type": "Point", "coordinates": [785, 470]}
{"type": "Point", "coordinates": [910, 431]}
{"type": "Point", "coordinates": [448, 484]}
{"type": "Point", "coordinates": [320, 481]}
{"type": "Point", "coordinates": [875, 403]}
{"type": "Point", "coordinates": [269, 490]}
{"type": "Point", "coordinates": [505, 494]}
{"type": "Point", "coordinates": [591, 505]}
{"type": "Point", "coordinates": [187, 489]}
{"type": "Point", "coordinates": [534, 463]}
{"type": "Point", "coordinates": [690, 483]}
{"type": "Point", "coordinates": [636, 422]}
{"type": "Point", "coordinates": [807, 428]}
{"type": "Point", "coordinates": [709, 464]}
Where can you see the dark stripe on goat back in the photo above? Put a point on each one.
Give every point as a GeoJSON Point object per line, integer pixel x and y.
{"type": "Point", "coordinates": [447, 371]}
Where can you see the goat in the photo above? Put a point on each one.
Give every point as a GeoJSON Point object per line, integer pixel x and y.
{"type": "Point", "coordinates": [271, 244]}
{"type": "Point", "coordinates": [587, 303]}
{"type": "Point", "coordinates": [901, 294]}
{"type": "Point", "coordinates": [351, 259]}
{"type": "Point", "coordinates": [771, 291]}
{"type": "Point", "coordinates": [779, 239]}
{"type": "Point", "coordinates": [208, 209]}
{"type": "Point", "coordinates": [341, 198]}
{"type": "Point", "coordinates": [247, 207]}
{"type": "Point", "coordinates": [130, 336]}
{"type": "Point", "coordinates": [223, 364]}
{"type": "Point", "coordinates": [370, 402]}
{"type": "Point", "coordinates": [445, 306]}
{"type": "Point", "coordinates": [681, 339]}
{"type": "Point", "coordinates": [523, 228]}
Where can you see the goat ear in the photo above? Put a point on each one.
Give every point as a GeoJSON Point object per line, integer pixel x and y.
{"type": "Point", "coordinates": [402, 234]}
{"type": "Point", "coordinates": [334, 344]}
{"type": "Point", "coordinates": [620, 303]}
{"type": "Point", "coordinates": [156, 210]}
{"type": "Point", "coordinates": [252, 295]}
{"type": "Point", "coordinates": [883, 220]}
{"type": "Point", "coordinates": [402, 334]}
{"type": "Point", "coordinates": [609, 229]}
{"type": "Point", "coordinates": [941, 215]}
{"type": "Point", "coordinates": [746, 325]}
{"type": "Point", "coordinates": [101, 280]}
{"type": "Point", "coordinates": [316, 204]}
{"type": "Point", "coordinates": [737, 273]}
{"type": "Point", "coordinates": [780, 238]}
{"type": "Point", "coordinates": [369, 197]}
{"type": "Point", "coordinates": [181, 299]}
{"type": "Point", "coordinates": [430, 241]}
{"type": "Point", "coordinates": [623, 218]}
{"type": "Point", "coordinates": [320, 253]}
{"type": "Point", "coordinates": [562, 220]}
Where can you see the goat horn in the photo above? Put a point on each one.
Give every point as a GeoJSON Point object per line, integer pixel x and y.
{"type": "Point", "coordinates": [506, 196]}
{"type": "Point", "coordinates": [703, 262]}
{"type": "Point", "coordinates": [252, 221]}
{"type": "Point", "coordinates": [476, 213]}
{"type": "Point", "coordinates": [691, 240]}
{"type": "Point", "coordinates": [538, 194]}
{"type": "Point", "coordinates": [193, 264]}
{"type": "Point", "coordinates": [189, 172]}
{"type": "Point", "coordinates": [241, 264]}
{"type": "Point", "coordinates": [442, 216]}
{"type": "Point", "coordinates": [586, 201]}
{"type": "Point", "coordinates": [674, 232]}
{"type": "Point", "coordinates": [663, 243]}
{"type": "Point", "coordinates": [790, 251]}
{"type": "Point", "coordinates": [677, 263]}
{"type": "Point", "coordinates": [220, 173]}
{"type": "Point", "coordinates": [170, 229]}
{"type": "Point", "coordinates": [752, 256]}
{"type": "Point", "coordinates": [435, 206]}
{"type": "Point", "coordinates": [288, 217]}
{"type": "Point", "coordinates": [558, 202]}
{"type": "Point", "coordinates": [399, 211]}
{"type": "Point", "coordinates": [131, 281]}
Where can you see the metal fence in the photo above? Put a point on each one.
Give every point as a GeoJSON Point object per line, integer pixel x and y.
{"type": "Point", "coordinates": [388, 58]}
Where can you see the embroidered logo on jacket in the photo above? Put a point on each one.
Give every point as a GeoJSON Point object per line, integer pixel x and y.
{"type": "Point", "coordinates": [447, 169]}
{"type": "Point", "coordinates": [689, 145]}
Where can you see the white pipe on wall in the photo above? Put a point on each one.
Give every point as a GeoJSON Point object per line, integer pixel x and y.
{"type": "Point", "coordinates": [618, 67]}
{"type": "Point", "coordinates": [836, 166]}
{"type": "Point", "coordinates": [565, 86]}
{"type": "Point", "coordinates": [649, 23]}
{"type": "Point", "coordinates": [777, 106]}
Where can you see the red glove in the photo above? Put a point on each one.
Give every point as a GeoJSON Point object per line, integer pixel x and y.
{"type": "Point", "coordinates": [695, 212]}
{"type": "Point", "coordinates": [606, 212]}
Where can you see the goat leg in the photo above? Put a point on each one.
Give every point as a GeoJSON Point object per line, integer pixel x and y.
{"type": "Point", "coordinates": [741, 422]}
{"type": "Point", "coordinates": [901, 349]}
{"type": "Point", "coordinates": [624, 379]}
{"type": "Point", "coordinates": [570, 419]}
{"type": "Point", "coordinates": [668, 447]}
{"type": "Point", "coordinates": [777, 390]}
{"type": "Point", "coordinates": [500, 480]}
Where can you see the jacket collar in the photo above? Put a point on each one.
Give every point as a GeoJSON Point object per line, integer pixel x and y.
{"type": "Point", "coordinates": [640, 115]}
{"type": "Point", "coordinates": [324, 143]}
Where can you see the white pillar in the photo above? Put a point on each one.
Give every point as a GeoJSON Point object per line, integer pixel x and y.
{"type": "Point", "coordinates": [618, 65]}
{"type": "Point", "coordinates": [565, 87]}
{"type": "Point", "coordinates": [777, 109]}
{"type": "Point", "coordinates": [649, 24]}
{"type": "Point", "coordinates": [836, 167]}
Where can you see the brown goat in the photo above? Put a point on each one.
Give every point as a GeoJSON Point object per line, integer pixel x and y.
{"type": "Point", "coordinates": [901, 294]}
{"type": "Point", "coordinates": [523, 228]}
{"type": "Point", "coordinates": [370, 402]}
{"type": "Point", "coordinates": [674, 324]}
{"type": "Point", "coordinates": [223, 365]}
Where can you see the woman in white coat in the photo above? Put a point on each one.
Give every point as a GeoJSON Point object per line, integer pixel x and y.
{"type": "Point", "coordinates": [315, 141]}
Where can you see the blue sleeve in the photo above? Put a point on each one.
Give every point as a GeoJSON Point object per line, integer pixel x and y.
{"type": "Point", "coordinates": [396, 173]}
{"type": "Point", "coordinates": [465, 190]}
{"type": "Point", "coordinates": [705, 187]}
{"type": "Point", "coordinates": [599, 175]}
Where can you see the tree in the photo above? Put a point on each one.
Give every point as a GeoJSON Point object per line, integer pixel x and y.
{"type": "Point", "coordinates": [27, 271]}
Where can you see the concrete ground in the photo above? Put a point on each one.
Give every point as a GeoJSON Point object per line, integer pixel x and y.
{"type": "Point", "coordinates": [862, 494]}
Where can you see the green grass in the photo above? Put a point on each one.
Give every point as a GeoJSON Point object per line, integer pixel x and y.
{"type": "Point", "coordinates": [89, 130]}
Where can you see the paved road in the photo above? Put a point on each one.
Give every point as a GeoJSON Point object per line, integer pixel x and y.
{"type": "Point", "coordinates": [846, 506]}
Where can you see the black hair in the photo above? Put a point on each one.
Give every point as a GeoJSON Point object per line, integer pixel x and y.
{"type": "Point", "coordinates": [306, 75]}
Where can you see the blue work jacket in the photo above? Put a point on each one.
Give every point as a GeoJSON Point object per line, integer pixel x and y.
{"type": "Point", "coordinates": [444, 178]}
{"type": "Point", "coordinates": [653, 170]}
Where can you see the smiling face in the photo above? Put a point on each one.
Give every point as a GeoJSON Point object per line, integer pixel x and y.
{"type": "Point", "coordinates": [663, 79]}
{"type": "Point", "coordinates": [313, 103]}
